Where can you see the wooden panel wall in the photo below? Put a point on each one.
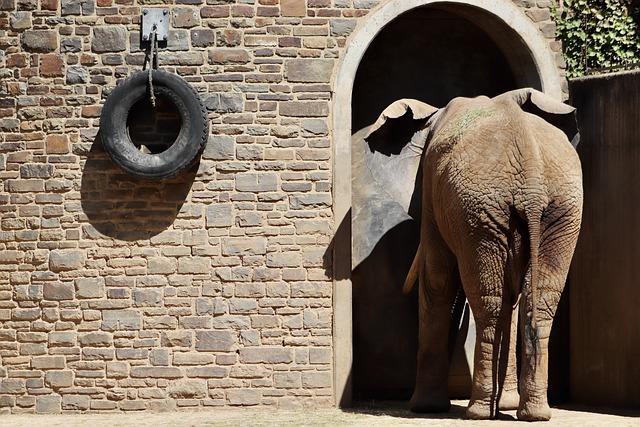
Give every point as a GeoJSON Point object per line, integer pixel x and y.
{"type": "Point", "coordinates": [605, 276]}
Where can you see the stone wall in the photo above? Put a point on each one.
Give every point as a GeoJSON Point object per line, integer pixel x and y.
{"type": "Point", "coordinates": [213, 288]}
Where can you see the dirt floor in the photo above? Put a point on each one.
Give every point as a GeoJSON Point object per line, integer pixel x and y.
{"type": "Point", "coordinates": [381, 414]}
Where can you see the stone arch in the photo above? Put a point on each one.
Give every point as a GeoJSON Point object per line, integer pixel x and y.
{"type": "Point", "coordinates": [533, 63]}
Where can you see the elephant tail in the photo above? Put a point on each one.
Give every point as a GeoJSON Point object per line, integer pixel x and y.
{"type": "Point", "coordinates": [534, 218]}
{"type": "Point", "coordinates": [414, 272]}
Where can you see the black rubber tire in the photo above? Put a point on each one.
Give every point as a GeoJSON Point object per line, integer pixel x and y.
{"type": "Point", "coordinates": [189, 143]}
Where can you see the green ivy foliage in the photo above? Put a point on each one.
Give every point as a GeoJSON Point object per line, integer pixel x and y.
{"type": "Point", "coordinates": [598, 34]}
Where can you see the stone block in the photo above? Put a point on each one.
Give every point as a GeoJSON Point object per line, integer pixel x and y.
{"type": "Point", "coordinates": [62, 339]}
{"type": "Point", "coordinates": [58, 144]}
{"type": "Point", "coordinates": [199, 359]}
{"type": "Point", "coordinates": [342, 27]}
{"type": "Point", "coordinates": [132, 353]}
{"type": "Point", "coordinates": [160, 322]}
{"type": "Point", "coordinates": [117, 370]}
{"type": "Point", "coordinates": [28, 293]}
{"type": "Point", "coordinates": [228, 56]}
{"type": "Point", "coordinates": [35, 170]}
{"type": "Point", "coordinates": [66, 259]}
{"type": "Point", "coordinates": [77, 7]}
{"type": "Point", "coordinates": [229, 37]}
{"type": "Point", "coordinates": [109, 39]}
{"type": "Point", "coordinates": [25, 314]}
{"type": "Point", "coordinates": [161, 265]}
{"type": "Point", "coordinates": [71, 45]}
{"type": "Point", "coordinates": [241, 246]}
{"type": "Point", "coordinates": [178, 40]}
{"type": "Point", "coordinates": [234, 274]}
{"type": "Point", "coordinates": [123, 320]}
{"type": "Point", "coordinates": [25, 185]}
{"type": "Point", "coordinates": [71, 402]}
{"type": "Point", "coordinates": [219, 215]}
{"type": "Point", "coordinates": [309, 70]}
{"type": "Point", "coordinates": [304, 108]}
{"type": "Point", "coordinates": [52, 65]}
{"type": "Point", "coordinates": [77, 74]}
{"type": "Point", "coordinates": [250, 338]}
{"type": "Point", "coordinates": [287, 379]}
{"type": "Point", "coordinates": [219, 147]}
{"type": "Point", "coordinates": [243, 306]}
{"type": "Point", "coordinates": [266, 355]}
{"type": "Point", "coordinates": [159, 357]}
{"type": "Point", "coordinates": [147, 297]}
{"type": "Point", "coordinates": [293, 8]}
{"type": "Point", "coordinates": [244, 397]}
{"type": "Point", "coordinates": [168, 372]}
{"type": "Point", "coordinates": [225, 103]}
{"type": "Point", "coordinates": [89, 287]}
{"type": "Point", "coordinates": [58, 379]}
{"type": "Point", "coordinates": [314, 127]}
{"type": "Point", "coordinates": [7, 335]}
{"type": "Point", "coordinates": [313, 200]}
{"type": "Point", "coordinates": [40, 41]}
{"type": "Point", "coordinates": [310, 289]}
{"type": "Point", "coordinates": [216, 340]}
{"type": "Point", "coordinates": [194, 265]}
{"type": "Point", "coordinates": [20, 20]}
{"type": "Point", "coordinates": [316, 379]}
{"type": "Point", "coordinates": [95, 339]}
{"type": "Point", "coordinates": [284, 259]}
{"type": "Point", "coordinates": [12, 386]}
{"type": "Point", "coordinates": [103, 405]}
{"type": "Point", "coordinates": [50, 404]}
{"type": "Point", "coordinates": [9, 125]}
{"type": "Point", "coordinates": [7, 401]}
{"type": "Point", "coordinates": [188, 389]}
{"type": "Point", "coordinates": [215, 11]}
{"type": "Point", "coordinates": [320, 355]}
{"type": "Point", "coordinates": [257, 182]}
{"type": "Point", "coordinates": [204, 306]}
{"type": "Point", "coordinates": [58, 291]}
{"type": "Point", "coordinates": [207, 372]}
{"type": "Point", "coordinates": [184, 17]}
{"type": "Point", "coordinates": [176, 338]}
{"type": "Point", "coordinates": [48, 362]}
{"type": "Point", "coordinates": [202, 38]}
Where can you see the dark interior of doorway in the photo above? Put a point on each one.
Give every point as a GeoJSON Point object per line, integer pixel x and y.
{"type": "Point", "coordinates": [432, 55]}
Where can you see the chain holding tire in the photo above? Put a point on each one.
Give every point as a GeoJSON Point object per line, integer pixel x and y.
{"type": "Point", "coordinates": [153, 63]}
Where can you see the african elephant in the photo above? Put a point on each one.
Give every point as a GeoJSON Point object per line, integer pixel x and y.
{"type": "Point", "coordinates": [501, 212]}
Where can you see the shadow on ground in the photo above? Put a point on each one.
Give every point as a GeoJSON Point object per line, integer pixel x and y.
{"type": "Point", "coordinates": [400, 410]}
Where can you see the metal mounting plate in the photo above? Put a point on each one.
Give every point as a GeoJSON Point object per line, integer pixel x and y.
{"type": "Point", "coordinates": [157, 18]}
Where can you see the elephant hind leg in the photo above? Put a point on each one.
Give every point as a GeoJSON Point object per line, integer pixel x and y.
{"type": "Point", "coordinates": [556, 250]}
{"type": "Point", "coordinates": [483, 278]}
{"type": "Point", "coordinates": [439, 284]}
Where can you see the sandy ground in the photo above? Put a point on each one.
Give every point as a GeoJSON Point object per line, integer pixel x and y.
{"type": "Point", "coordinates": [384, 414]}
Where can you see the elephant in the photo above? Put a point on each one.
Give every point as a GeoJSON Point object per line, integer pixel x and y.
{"type": "Point", "coordinates": [501, 209]}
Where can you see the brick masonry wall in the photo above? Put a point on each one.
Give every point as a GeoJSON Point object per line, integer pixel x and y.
{"type": "Point", "coordinates": [210, 289]}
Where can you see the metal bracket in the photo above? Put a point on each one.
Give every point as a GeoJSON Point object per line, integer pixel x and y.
{"type": "Point", "coordinates": [155, 18]}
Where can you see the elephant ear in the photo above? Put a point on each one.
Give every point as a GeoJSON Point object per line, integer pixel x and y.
{"type": "Point", "coordinates": [558, 114]}
{"type": "Point", "coordinates": [395, 143]}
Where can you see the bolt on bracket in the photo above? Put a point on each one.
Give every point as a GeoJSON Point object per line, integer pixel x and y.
{"type": "Point", "coordinates": [155, 19]}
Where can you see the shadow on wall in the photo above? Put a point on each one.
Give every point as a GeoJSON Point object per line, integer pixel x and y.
{"type": "Point", "coordinates": [127, 208]}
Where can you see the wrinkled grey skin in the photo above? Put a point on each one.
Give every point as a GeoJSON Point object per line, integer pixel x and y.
{"type": "Point", "coordinates": [501, 213]}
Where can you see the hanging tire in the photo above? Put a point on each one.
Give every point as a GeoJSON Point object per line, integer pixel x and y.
{"type": "Point", "coordinates": [188, 145]}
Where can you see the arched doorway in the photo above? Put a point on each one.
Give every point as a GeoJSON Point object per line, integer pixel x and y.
{"type": "Point", "coordinates": [433, 51]}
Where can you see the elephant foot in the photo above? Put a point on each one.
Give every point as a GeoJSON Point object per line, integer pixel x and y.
{"type": "Point", "coordinates": [481, 410]}
{"type": "Point", "coordinates": [429, 403]}
{"type": "Point", "coordinates": [529, 411]}
{"type": "Point", "coordinates": [509, 400]}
